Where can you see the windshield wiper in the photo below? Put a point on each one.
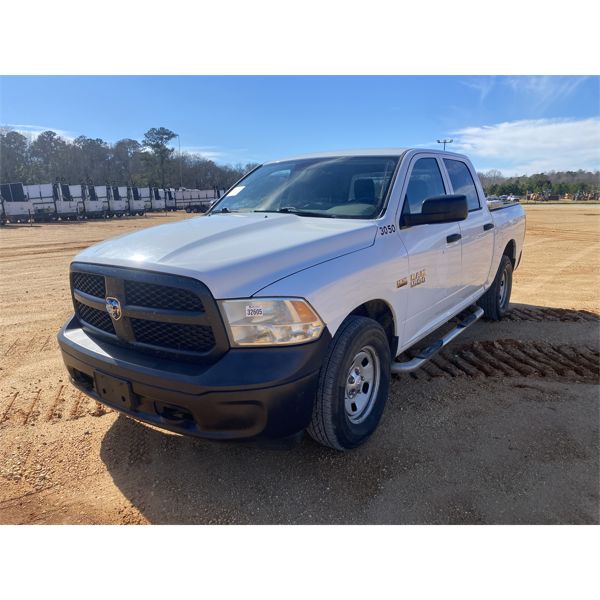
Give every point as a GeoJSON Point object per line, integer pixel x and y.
{"type": "Point", "coordinates": [224, 210]}
{"type": "Point", "coordinates": [300, 213]}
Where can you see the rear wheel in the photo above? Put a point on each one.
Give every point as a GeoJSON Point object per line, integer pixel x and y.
{"type": "Point", "coordinates": [353, 385]}
{"type": "Point", "coordinates": [496, 301]}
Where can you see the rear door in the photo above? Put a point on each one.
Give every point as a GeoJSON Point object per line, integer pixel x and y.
{"type": "Point", "coordinates": [434, 251]}
{"type": "Point", "coordinates": [477, 230]}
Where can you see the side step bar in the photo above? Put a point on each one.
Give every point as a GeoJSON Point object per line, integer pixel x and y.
{"type": "Point", "coordinates": [433, 349]}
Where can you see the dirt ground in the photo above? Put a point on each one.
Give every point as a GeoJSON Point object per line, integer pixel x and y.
{"type": "Point", "coordinates": [502, 427]}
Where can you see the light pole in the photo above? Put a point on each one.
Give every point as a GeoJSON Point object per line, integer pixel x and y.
{"type": "Point", "coordinates": [444, 141]}
{"type": "Point", "coordinates": [180, 163]}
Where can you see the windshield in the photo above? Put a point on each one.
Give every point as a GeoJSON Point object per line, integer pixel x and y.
{"type": "Point", "coordinates": [340, 187]}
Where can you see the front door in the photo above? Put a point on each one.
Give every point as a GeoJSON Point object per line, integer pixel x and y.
{"type": "Point", "coordinates": [434, 252]}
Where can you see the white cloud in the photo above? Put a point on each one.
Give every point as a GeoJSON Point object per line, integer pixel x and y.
{"type": "Point", "coordinates": [483, 86]}
{"type": "Point", "coordinates": [32, 131]}
{"type": "Point", "coordinates": [207, 152]}
{"type": "Point", "coordinates": [538, 92]}
{"type": "Point", "coordinates": [532, 146]}
{"type": "Point", "coordinates": [220, 155]}
{"type": "Point", "coordinates": [544, 91]}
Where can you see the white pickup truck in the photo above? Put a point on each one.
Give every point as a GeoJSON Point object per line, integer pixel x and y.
{"type": "Point", "coordinates": [286, 306]}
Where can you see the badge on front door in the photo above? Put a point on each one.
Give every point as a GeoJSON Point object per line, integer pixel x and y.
{"type": "Point", "coordinates": [417, 278]}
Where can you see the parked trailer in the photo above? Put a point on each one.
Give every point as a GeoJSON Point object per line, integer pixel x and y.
{"type": "Point", "coordinates": [118, 203]}
{"type": "Point", "coordinates": [146, 195]}
{"type": "Point", "coordinates": [183, 199]}
{"type": "Point", "coordinates": [95, 202]}
{"type": "Point", "coordinates": [195, 200]}
{"type": "Point", "coordinates": [137, 204]}
{"type": "Point", "coordinates": [158, 200]}
{"type": "Point", "coordinates": [44, 198]}
{"type": "Point", "coordinates": [16, 206]}
{"type": "Point", "coordinates": [104, 196]}
{"type": "Point", "coordinates": [70, 204]}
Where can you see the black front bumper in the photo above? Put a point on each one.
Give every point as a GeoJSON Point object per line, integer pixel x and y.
{"type": "Point", "coordinates": [248, 392]}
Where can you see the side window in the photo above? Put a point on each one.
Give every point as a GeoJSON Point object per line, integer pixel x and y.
{"type": "Point", "coordinates": [425, 181]}
{"type": "Point", "coordinates": [462, 182]}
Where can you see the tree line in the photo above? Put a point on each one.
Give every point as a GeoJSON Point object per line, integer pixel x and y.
{"type": "Point", "coordinates": [152, 162]}
{"type": "Point", "coordinates": [149, 162]}
{"type": "Point", "coordinates": [554, 183]}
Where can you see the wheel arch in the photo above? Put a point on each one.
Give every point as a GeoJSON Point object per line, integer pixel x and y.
{"type": "Point", "coordinates": [510, 250]}
{"type": "Point", "coordinates": [380, 311]}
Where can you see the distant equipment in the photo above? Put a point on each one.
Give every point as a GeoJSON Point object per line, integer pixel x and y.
{"type": "Point", "coordinates": [62, 202]}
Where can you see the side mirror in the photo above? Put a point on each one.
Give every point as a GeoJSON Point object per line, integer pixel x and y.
{"type": "Point", "coordinates": [439, 209]}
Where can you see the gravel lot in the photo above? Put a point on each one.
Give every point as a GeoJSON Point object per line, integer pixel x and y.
{"type": "Point", "coordinates": [503, 427]}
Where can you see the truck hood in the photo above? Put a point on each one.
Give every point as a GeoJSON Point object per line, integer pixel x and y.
{"type": "Point", "coordinates": [235, 255]}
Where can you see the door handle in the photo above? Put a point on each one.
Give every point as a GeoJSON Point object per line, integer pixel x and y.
{"type": "Point", "coordinates": [453, 238]}
{"type": "Point", "coordinates": [488, 226]}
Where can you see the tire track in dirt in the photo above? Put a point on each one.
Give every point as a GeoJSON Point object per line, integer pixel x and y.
{"type": "Point", "coordinates": [542, 313]}
{"type": "Point", "coordinates": [74, 412]}
{"type": "Point", "coordinates": [12, 346]}
{"type": "Point", "coordinates": [56, 409]}
{"type": "Point", "coordinates": [51, 405]}
{"type": "Point", "coordinates": [30, 415]}
{"type": "Point", "coordinates": [36, 343]}
{"type": "Point", "coordinates": [514, 358]}
{"type": "Point", "coordinates": [6, 413]}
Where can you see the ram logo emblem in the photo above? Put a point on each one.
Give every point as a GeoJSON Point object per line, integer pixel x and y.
{"type": "Point", "coordinates": [113, 308]}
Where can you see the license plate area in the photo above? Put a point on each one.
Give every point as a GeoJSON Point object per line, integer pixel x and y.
{"type": "Point", "coordinates": [113, 390]}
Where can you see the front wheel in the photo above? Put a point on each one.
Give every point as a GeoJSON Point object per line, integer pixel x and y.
{"type": "Point", "coordinates": [353, 385]}
{"type": "Point", "coordinates": [496, 300]}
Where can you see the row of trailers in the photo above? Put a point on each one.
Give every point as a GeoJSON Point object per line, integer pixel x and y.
{"type": "Point", "coordinates": [61, 202]}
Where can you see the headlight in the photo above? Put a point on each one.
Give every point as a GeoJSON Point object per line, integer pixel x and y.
{"type": "Point", "coordinates": [270, 321]}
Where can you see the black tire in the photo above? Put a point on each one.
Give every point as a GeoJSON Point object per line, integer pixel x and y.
{"type": "Point", "coordinates": [331, 424]}
{"type": "Point", "coordinates": [496, 301]}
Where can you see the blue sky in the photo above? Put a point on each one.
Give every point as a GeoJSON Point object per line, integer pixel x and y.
{"type": "Point", "coordinates": [515, 124]}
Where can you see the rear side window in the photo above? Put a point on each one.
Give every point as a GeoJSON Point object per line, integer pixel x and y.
{"type": "Point", "coordinates": [462, 182]}
{"type": "Point", "coordinates": [425, 182]}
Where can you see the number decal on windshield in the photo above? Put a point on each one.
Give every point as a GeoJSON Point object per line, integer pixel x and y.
{"type": "Point", "coordinates": [387, 229]}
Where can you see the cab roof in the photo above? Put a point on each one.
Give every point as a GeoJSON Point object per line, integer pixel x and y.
{"type": "Point", "coordinates": [391, 152]}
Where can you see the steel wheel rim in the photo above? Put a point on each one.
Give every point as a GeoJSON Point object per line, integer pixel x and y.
{"type": "Point", "coordinates": [362, 385]}
{"type": "Point", "coordinates": [503, 289]}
